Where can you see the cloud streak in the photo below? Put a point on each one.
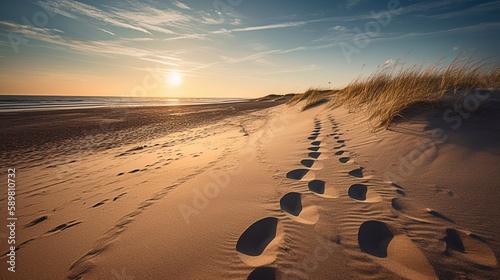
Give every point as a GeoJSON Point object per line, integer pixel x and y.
{"type": "Point", "coordinates": [137, 16]}
{"type": "Point", "coordinates": [106, 31]}
{"type": "Point", "coordinates": [181, 5]}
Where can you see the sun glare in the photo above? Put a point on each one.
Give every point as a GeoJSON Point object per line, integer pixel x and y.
{"type": "Point", "coordinates": [174, 78]}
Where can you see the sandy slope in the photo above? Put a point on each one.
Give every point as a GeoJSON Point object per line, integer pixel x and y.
{"type": "Point", "coordinates": [275, 193]}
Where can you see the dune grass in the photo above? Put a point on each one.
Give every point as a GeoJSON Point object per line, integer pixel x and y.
{"type": "Point", "coordinates": [390, 90]}
{"type": "Point", "coordinates": [312, 97]}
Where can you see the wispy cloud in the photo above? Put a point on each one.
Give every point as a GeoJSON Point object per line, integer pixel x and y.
{"type": "Point", "coordinates": [114, 48]}
{"type": "Point", "coordinates": [137, 16]}
{"type": "Point", "coordinates": [262, 27]}
{"type": "Point", "coordinates": [456, 48]}
{"type": "Point", "coordinates": [472, 11]}
{"type": "Point", "coordinates": [106, 31]}
{"type": "Point", "coordinates": [353, 3]}
{"type": "Point", "coordinates": [75, 10]}
{"type": "Point", "coordinates": [251, 57]}
{"type": "Point", "coordinates": [182, 5]}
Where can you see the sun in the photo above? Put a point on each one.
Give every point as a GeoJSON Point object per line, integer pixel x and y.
{"type": "Point", "coordinates": [174, 78]}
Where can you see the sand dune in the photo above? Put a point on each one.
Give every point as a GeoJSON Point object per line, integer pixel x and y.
{"type": "Point", "coordinates": [274, 193]}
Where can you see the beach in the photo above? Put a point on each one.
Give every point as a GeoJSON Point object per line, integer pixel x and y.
{"type": "Point", "coordinates": [256, 190]}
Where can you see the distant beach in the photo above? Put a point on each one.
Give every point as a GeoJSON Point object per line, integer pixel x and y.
{"type": "Point", "coordinates": [11, 103]}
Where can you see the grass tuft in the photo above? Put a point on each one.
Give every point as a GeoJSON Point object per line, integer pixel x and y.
{"type": "Point", "coordinates": [386, 93]}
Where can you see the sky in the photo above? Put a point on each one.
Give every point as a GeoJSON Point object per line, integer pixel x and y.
{"type": "Point", "coordinates": [229, 48]}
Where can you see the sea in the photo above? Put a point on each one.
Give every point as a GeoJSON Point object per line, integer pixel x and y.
{"type": "Point", "coordinates": [12, 103]}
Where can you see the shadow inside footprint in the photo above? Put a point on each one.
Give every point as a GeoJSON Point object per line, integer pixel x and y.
{"type": "Point", "coordinates": [453, 241]}
{"type": "Point", "coordinates": [317, 186]}
{"type": "Point", "coordinates": [339, 153]}
{"type": "Point", "coordinates": [263, 273]}
{"type": "Point", "coordinates": [374, 238]}
{"type": "Point", "coordinates": [344, 159]}
{"type": "Point", "coordinates": [316, 143]}
{"type": "Point", "coordinates": [36, 221]}
{"type": "Point", "coordinates": [341, 141]}
{"type": "Point", "coordinates": [314, 154]}
{"type": "Point", "coordinates": [357, 172]}
{"type": "Point", "coordinates": [396, 204]}
{"type": "Point", "coordinates": [339, 147]}
{"type": "Point", "coordinates": [307, 162]}
{"type": "Point", "coordinates": [358, 191]}
{"type": "Point", "coordinates": [297, 174]}
{"type": "Point", "coordinates": [314, 149]}
{"type": "Point", "coordinates": [256, 238]}
{"type": "Point", "coordinates": [291, 203]}
{"type": "Point", "coordinates": [312, 138]}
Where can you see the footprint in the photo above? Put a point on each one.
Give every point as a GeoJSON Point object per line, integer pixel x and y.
{"type": "Point", "coordinates": [312, 138]}
{"type": "Point", "coordinates": [62, 227]}
{"type": "Point", "coordinates": [339, 153]}
{"type": "Point", "coordinates": [263, 273]}
{"type": "Point", "coordinates": [314, 155]}
{"type": "Point", "coordinates": [316, 143]}
{"type": "Point", "coordinates": [99, 203]}
{"type": "Point", "coordinates": [257, 245]}
{"type": "Point", "coordinates": [374, 238]}
{"type": "Point", "coordinates": [119, 196]}
{"type": "Point", "coordinates": [394, 250]}
{"type": "Point", "coordinates": [291, 203]}
{"type": "Point", "coordinates": [344, 159]}
{"type": "Point", "coordinates": [318, 187]}
{"type": "Point", "coordinates": [397, 204]}
{"type": "Point", "coordinates": [36, 221]}
{"type": "Point", "coordinates": [357, 172]}
{"type": "Point", "coordinates": [314, 149]}
{"type": "Point", "coordinates": [469, 247]}
{"type": "Point", "coordinates": [299, 174]}
{"type": "Point", "coordinates": [338, 147]}
{"type": "Point", "coordinates": [358, 192]}
{"type": "Point", "coordinates": [316, 130]}
{"type": "Point", "coordinates": [361, 192]}
{"type": "Point", "coordinates": [341, 141]}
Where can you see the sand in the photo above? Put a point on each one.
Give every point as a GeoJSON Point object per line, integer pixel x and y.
{"type": "Point", "coordinates": [262, 191]}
